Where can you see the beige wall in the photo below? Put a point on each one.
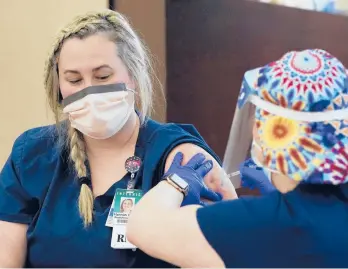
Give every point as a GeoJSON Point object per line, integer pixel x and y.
{"type": "Point", "coordinates": [27, 29]}
{"type": "Point", "coordinates": [148, 18]}
{"type": "Point", "coordinates": [342, 4]}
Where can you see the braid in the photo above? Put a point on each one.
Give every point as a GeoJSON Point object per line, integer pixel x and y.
{"type": "Point", "coordinates": [132, 53]}
{"type": "Point", "coordinates": [78, 157]}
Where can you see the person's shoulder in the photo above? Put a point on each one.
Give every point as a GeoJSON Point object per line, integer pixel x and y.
{"type": "Point", "coordinates": [276, 208]}
{"type": "Point", "coordinates": [37, 134]}
{"type": "Point", "coordinates": [35, 142]}
{"type": "Point", "coordinates": [33, 161]}
{"type": "Point", "coordinates": [46, 132]}
{"type": "Point", "coordinates": [164, 126]}
{"type": "Point", "coordinates": [250, 226]}
{"type": "Point", "coordinates": [272, 213]}
{"type": "Point", "coordinates": [170, 129]}
{"type": "Point", "coordinates": [247, 211]}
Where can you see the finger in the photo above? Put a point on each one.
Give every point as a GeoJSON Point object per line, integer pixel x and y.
{"type": "Point", "coordinates": [202, 203]}
{"type": "Point", "coordinates": [252, 175]}
{"type": "Point", "coordinates": [205, 168]}
{"type": "Point", "coordinates": [178, 159]}
{"type": "Point", "coordinates": [206, 201]}
{"type": "Point", "coordinates": [211, 195]}
{"type": "Point", "coordinates": [196, 160]}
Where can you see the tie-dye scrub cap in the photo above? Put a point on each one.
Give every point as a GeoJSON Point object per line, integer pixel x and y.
{"type": "Point", "coordinates": [301, 114]}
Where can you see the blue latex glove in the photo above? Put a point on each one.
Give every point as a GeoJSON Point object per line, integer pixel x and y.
{"type": "Point", "coordinates": [253, 177]}
{"type": "Point", "coordinates": [193, 173]}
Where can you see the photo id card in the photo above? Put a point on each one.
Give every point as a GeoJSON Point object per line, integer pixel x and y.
{"type": "Point", "coordinates": [122, 205]}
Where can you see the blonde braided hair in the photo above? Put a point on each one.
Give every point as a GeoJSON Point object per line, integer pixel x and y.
{"type": "Point", "coordinates": [133, 54]}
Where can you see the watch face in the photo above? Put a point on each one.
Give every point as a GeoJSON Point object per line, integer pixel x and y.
{"type": "Point", "coordinates": [179, 181]}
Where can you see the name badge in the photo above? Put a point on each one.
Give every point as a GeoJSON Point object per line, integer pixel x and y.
{"type": "Point", "coordinates": [120, 210]}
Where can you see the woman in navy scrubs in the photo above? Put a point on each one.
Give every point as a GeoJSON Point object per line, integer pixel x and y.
{"type": "Point", "coordinates": [300, 144]}
{"type": "Point", "coordinates": [59, 181]}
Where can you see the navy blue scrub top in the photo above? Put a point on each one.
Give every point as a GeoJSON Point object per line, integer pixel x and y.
{"type": "Point", "coordinates": [37, 187]}
{"type": "Point", "coordinates": [307, 227]}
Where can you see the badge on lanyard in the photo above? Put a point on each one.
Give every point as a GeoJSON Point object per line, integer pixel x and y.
{"type": "Point", "coordinates": [124, 202]}
{"type": "Point", "coordinates": [132, 166]}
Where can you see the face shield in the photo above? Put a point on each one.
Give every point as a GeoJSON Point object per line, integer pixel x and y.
{"type": "Point", "coordinates": [296, 112]}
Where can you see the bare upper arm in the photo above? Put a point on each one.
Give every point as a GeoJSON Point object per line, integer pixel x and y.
{"type": "Point", "coordinates": [216, 179]}
{"type": "Point", "coordinates": [13, 244]}
{"type": "Point", "coordinates": [171, 233]}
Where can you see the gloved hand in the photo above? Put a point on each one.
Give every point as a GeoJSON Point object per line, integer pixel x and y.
{"type": "Point", "coordinates": [253, 177]}
{"type": "Point", "coordinates": [193, 173]}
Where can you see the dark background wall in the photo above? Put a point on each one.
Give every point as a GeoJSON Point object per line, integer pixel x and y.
{"type": "Point", "coordinates": [148, 18]}
{"type": "Point", "coordinates": [211, 43]}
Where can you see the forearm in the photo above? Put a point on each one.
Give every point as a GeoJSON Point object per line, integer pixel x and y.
{"type": "Point", "coordinates": [162, 197]}
{"type": "Point", "coordinates": [164, 230]}
{"type": "Point", "coordinates": [153, 211]}
{"type": "Point", "coordinates": [159, 226]}
{"type": "Point", "coordinates": [156, 204]}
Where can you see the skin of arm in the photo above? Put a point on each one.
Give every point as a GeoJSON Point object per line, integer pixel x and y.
{"type": "Point", "coordinates": [216, 180]}
{"type": "Point", "coordinates": [170, 232]}
{"type": "Point", "coordinates": [13, 244]}
{"type": "Point", "coordinates": [160, 228]}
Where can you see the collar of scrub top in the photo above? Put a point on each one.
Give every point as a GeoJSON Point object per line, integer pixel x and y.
{"type": "Point", "coordinates": [92, 90]}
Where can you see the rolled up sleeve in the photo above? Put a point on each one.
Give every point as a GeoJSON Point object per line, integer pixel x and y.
{"type": "Point", "coordinates": [16, 205]}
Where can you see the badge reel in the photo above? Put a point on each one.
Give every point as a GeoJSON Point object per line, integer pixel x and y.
{"type": "Point", "coordinates": [132, 166]}
{"type": "Point", "coordinates": [122, 205]}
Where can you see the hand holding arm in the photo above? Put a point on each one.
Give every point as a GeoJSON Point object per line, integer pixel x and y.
{"type": "Point", "coordinates": [167, 224]}
{"type": "Point", "coordinates": [193, 173]}
{"type": "Point", "coordinates": [216, 180]}
{"type": "Point", "coordinates": [253, 177]}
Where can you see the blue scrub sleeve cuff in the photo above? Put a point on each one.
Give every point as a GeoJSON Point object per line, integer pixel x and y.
{"type": "Point", "coordinates": [194, 141]}
{"type": "Point", "coordinates": [16, 219]}
{"type": "Point", "coordinates": [16, 204]}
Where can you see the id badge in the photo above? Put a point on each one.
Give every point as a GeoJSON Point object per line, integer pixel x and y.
{"type": "Point", "coordinates": [133, 195]}
{"type": "Point", "coordinates": [122, 206]}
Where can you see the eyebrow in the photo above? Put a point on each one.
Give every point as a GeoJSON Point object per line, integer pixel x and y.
{"type": "Point", "coordinates": [94, 69]}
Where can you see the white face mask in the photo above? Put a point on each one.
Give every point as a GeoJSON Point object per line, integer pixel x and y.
{"type": "Point", "coordinates": [100, 111]}
{"type": "Point", "coordinates": [268, 172]}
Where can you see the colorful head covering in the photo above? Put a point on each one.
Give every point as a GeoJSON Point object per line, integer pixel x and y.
{"type": "Point", "coordinates": [301, 114]}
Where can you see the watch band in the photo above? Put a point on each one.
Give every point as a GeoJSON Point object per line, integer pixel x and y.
{"type": "Point", "coordinates": [178, 183]}
{"type": "Point", "coordinates": [170, 182]}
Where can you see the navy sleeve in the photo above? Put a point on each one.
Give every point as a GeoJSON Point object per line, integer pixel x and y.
{"type": "Point", "coordinates": [242, 231]}
{"type": "Point", "coordinates": [160, 143]}
{"type": "Point", "coordinates": [16, 205]}
{"type": "Point", "coordinates": [189, 134]}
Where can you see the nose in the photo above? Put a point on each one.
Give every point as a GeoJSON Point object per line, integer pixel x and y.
{"type": "Point", "coordinates": [87, 83]}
